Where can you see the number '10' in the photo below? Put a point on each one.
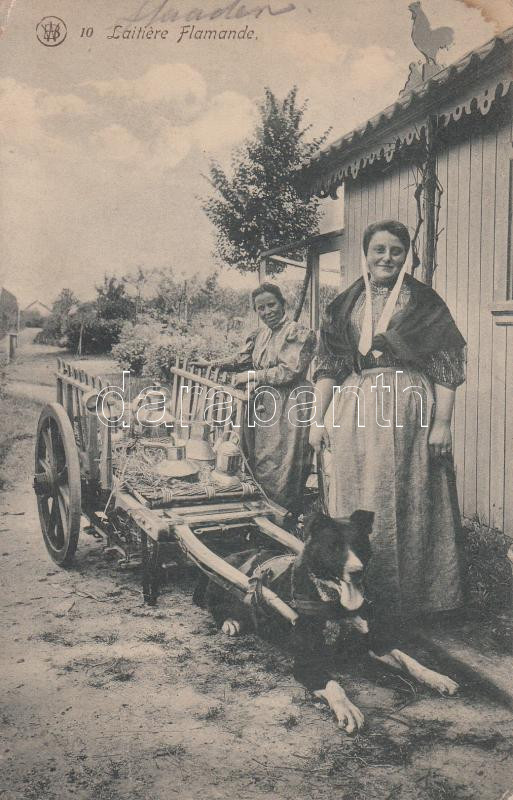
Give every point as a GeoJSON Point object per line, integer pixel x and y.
{"type": "Point", "coordinates": [87, 32]}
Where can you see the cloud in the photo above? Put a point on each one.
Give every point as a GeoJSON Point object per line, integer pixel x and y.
{"type": "Point", "coordinates": [177, 88]}
{"type": "Point", "coordinates": [314, 48]}
{"type": "Point", "coordinates": [374, 66]}
{"type": "Point", "coordinates": [498, 12]}
{"type": "Point", "coordinates": [27, 114]}
{"type": "Point", "coordinates": [164, 115]}
{"type": "Point", "coordinates": [63, 104]}
{"type": "Point", "coordinates": [170, 146]}
{"type": "Point", "coordinates": [229, 118]}
{"type": "Point", "coordinates": [117, 143]}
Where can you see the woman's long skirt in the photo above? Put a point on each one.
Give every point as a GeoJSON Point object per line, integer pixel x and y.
{"type": "Point", "coordinates": [378, 425]}
{"type": "Point", "coordinates": [277, 442]}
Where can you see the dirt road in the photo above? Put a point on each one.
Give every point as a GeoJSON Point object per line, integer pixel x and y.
{"type": "Point", "coordinates": [104, 699]}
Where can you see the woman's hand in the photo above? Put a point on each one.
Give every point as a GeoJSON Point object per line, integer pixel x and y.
{"type": "Point", "coordinates": [440, 438]}
{"type": "Point", "coordinates": [318, 437]}
{"type": "Point", "coordinates": [241, 378]}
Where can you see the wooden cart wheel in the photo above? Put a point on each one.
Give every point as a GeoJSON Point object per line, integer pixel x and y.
{"type": "Point", "coordinates": [57, 483]}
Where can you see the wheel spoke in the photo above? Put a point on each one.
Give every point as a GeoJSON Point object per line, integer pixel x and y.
{"type": "Point", "coordinates": [44, 465]}
{"type": "Point", "coordinates": [63, 515]}
{"type": "Point", "coordinates": [64, 495]}
{"type": "Point", "coordinates": [58, 534]}
{"type": "Point", "coordinates": [47, 436]}
{"type": "Point", "coordinates": [52, 520]}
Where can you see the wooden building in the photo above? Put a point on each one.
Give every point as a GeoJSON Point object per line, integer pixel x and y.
{"type": "Point", "coordinates": [440, 160]}
{"type": "Point", "coordinates": [35, 314]}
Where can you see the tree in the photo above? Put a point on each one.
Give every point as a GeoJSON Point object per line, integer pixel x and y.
{"type": "Point", "coordinates": [138, 281]}
{"type": "Point", "coordinates": [64, 301]}
{"type": "Point", "coordinates": [112, 301]}
{"type": "Point", "coordinates": [179, 298]}
{"type": "Point", "coordinates": [54, 327]}
{"type": "Point", "coordinates": [258, 207]}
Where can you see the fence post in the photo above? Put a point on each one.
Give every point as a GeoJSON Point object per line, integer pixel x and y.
{"type": "Point", "coordinates": [13, 341]}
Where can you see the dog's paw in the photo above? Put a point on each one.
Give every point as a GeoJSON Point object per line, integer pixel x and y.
{"type": "Point", "coordinates": [440, 683]}
{"type": "Point", "coordinates": [231, 627]}
{"type": "Point", "coordinates": [428, 677]}
{"type": "Point", "coordinates": [348, 716]}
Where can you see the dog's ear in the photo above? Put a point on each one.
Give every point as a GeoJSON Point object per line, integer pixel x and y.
{"type": "Point", "coordinates": [324, 545]}
{"type": "Point", "coordinates": [363, 521]}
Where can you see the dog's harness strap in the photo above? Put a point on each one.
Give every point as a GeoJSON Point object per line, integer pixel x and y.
{"type": "Point", "coordinates": [317, 608]}
{"type": "Point", "coordinates": [253, 598]}
{"type": "Point", "coordinates": [262, 575]}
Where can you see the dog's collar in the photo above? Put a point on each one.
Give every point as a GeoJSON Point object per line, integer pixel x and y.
{"type": "Point", "coordinates": [326, 589]}
{"type": "Point", "coordinates": [326, 607]}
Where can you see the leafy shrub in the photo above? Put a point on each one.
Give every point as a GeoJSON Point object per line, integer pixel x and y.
{"type": "Point", "coordinates": [134, 342]}
{"type": "Point", "coordinates": [98, 335]}
{"type": "Point", "coordinates": [149, 347]}
{"type": "Point", "coordinates": [35, 321]}
{"type": "Point", "coordinates": [52, 331]}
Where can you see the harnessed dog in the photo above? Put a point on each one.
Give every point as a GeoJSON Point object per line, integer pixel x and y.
{"type": "Point", "coordinates": [324, 583]}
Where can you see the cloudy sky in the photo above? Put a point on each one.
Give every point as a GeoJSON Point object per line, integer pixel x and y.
{"type": "Point", "coordinates": [103, 142]}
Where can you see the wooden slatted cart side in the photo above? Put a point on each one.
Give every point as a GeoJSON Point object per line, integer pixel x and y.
{"type": "Point", "coordinates": [203, 393]}
{"type": "Point", "coordinates": [93, 439]}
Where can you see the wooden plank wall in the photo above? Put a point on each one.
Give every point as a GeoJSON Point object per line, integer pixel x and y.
{"type": "Point", "coordinates": [472, 259]}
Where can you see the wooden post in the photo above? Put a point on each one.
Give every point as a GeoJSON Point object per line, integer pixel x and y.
{"type": "Point", "coordinates": [13, 340]}
{"type": "Point", "coordinates": [93, 451]}
{"type": "Point", "coordinates": [69, 404]}
{"type": "Point", "coordinates": [106, 459]}
{"type": "Point", "coordinates": [313, 267]}
{"type": "Point", "coordinates": [262, 270]}
{"type": "Point", "coordinates": [429, 204]}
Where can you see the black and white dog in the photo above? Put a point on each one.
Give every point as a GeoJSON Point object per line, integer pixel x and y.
{"type": "Point", "coordinates": [324, 582]}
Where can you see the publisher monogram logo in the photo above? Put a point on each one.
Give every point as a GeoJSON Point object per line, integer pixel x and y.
{"type": "Point", "coordinates": [51, 31]}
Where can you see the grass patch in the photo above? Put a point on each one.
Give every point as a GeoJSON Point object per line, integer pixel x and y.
{"type": "Point", "coordinates": [19, 421]}
{"type": "Point", "coordinates": [489, 577]}
{"type": "Point", "coordinates": [169, 750]}
{"type": "Point", "coordinates": [439, 787]}
{"type": "Point", "coordinates": [155, 638]}
{"type": "Point", "coordinates": [52, 637]}
{"type": "Point", "coordinates": [290, 722]}
{"type": "Point", "coordinates": [101, 673]}
{"type": "Point", "coordinates": [184, 656]}
{"type": "Point", "coordinates": [214, 712]}
{"type": "Point", "coordinates": [106, 638]}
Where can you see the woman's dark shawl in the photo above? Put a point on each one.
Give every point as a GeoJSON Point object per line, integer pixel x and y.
{"type": "Point", "coordinates": [424, 327]}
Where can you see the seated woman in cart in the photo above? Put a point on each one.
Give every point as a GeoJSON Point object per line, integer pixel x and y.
{"type": "Point", "coordinates": [275, 359]}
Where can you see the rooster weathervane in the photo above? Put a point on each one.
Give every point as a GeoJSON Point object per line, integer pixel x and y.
{"type": "Point", "coordinates": [428, 41]}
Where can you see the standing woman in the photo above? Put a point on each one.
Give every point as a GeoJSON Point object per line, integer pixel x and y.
{"type": "Point", "coordinates": [276, 358]}
{"type": "Point", "coordinates": [391, 347]}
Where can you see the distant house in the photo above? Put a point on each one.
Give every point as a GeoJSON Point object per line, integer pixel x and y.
{"type": "Point", "coordinates": [35, 314]}
{"type": "Point", "coordinates": [8, 312]}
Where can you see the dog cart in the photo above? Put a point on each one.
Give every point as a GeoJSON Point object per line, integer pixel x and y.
{"type": "Point", "coordinates": [170, 482]}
